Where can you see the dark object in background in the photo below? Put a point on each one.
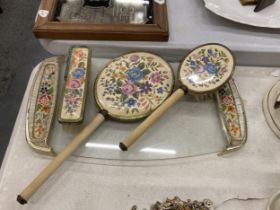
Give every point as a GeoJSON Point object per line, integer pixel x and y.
{"type": "Point", "coordinates": [248, 2]}
{"type": "Point", "coordinates": [1, 11]}
{"type": "Point", "coordinates": [263, 4]}
{"type": "Point", "coordinates": [150, 12]}
{"type": "Point", "coordinates": [97, 3]}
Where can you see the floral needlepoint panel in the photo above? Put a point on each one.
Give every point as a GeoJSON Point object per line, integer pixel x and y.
{"type": "Point", "coordinates": [134, 84]}
{"type": "Point", "coordinates": [44, 101]}
{"type": "Point", "coordinates": [229, 110]}
{"type": "Point", "coordinates": [206, 68]}
{"type": "Point", "coordinates": [76, 84]}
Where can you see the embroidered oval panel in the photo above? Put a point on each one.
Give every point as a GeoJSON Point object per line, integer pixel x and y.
{"type": "Point", "coordinates": [133, 85]}
{"type": "Point", "coordinates": [206, 68]}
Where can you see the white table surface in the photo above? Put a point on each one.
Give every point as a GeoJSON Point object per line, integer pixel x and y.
{"type": "Point", "coordinates": [243, 180]}
{"type": "Point", "coordinates": [191, 24]}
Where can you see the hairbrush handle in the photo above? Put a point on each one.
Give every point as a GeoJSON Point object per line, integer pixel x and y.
{"type": "Point", "coordinates": [176, 96]}
{"type": "Point", "coordinates": [24, 196]}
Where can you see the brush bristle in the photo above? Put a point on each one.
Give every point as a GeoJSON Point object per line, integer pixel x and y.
{"type": "Point", "coordinates": [203, 97]}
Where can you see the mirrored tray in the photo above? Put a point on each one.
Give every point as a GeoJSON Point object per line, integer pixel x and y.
{"type": "Point", "coordinates": [129, 20]}
{"type": "Point", "coordinates": [106, 11]}
{"type": "Point", "coordinates": [190, 128]}
{"type": "Point", "coordinates": [233, 10]}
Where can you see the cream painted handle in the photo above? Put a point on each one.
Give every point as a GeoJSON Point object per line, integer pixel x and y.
{"type": "Point", "coordinates": [151, 119]}
{"type": "Point", "coordinates": [58, 160]}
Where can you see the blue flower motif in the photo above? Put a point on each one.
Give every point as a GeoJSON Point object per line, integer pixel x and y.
{"type": "Point", "coordinates": [160, 90]}
{"type": "Point", "coordinates": [146, 87]}
{"type": "Point", "coordinates": [135, 74]}
{"type": "Point", "coordinates": [193, 63]}
{"type": "Point", "coordinates": [111, 89]}
{"type": "Point", "coordinates": [131, 102]}
{"type": "Point", "coordinates": [210, 51]}
{"type": "Point", "coordinates": [210, 68]}
{"type": "Point", "coordinates": [191, 81]}
{"type": "Point", "coordinates": [78, 73]}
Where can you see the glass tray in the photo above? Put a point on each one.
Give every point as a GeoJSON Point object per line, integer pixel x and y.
{"type": "Point", "coordinates": [189, 128]}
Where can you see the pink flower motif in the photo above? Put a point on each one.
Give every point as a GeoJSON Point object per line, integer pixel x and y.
{"type": "Point", "coordinates": [223, 70]}
{"type": "Point", "coordinates": [200, 69]}
{"type": "Point", "coordinates": [38, 130]}
{"type": "Point", "coordinates": [155, 77]}
{"type": "Point", "coordinates": [75, 83]}
{"type": "Point", "coordinates": [142, 99]}
{"type": "Point", "coordinates": [227, 100]}
{"type": "Point", "coordinates": [128, 88]}
{"type": "Point", "coordinates": [79, 53]}
{"type": "Point", "coordinates": [134, 58]}
{"type": "Point", "coordinates": [45, 100]}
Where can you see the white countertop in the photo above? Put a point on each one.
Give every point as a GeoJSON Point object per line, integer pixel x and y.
{"type": "Point", "coordinates": [243, 180]}
{"type": "Point", "coordinates": [191, 24]}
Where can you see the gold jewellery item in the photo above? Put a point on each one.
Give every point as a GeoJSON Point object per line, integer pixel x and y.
{"type": "Point", "coordinates": [177, 204]}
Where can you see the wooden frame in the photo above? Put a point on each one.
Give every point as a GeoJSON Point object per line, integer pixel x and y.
{"type": "Point", "coordinates": [45, 27]}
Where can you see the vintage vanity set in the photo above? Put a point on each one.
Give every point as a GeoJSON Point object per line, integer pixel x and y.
{"type": "Point", "coordinates": [131, 87]}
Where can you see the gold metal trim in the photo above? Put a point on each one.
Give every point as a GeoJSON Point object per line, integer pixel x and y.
{"type": "Point", "coordinates": [41, 145]}
{"type": "Point", "coordinates": [200, 46]}
{"type": "Point", "coordinates": [234, 143]}
{"type": "Point", "coordinates": [88, 73]}
{"type": "Point", "coordinates": [119, 117]}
